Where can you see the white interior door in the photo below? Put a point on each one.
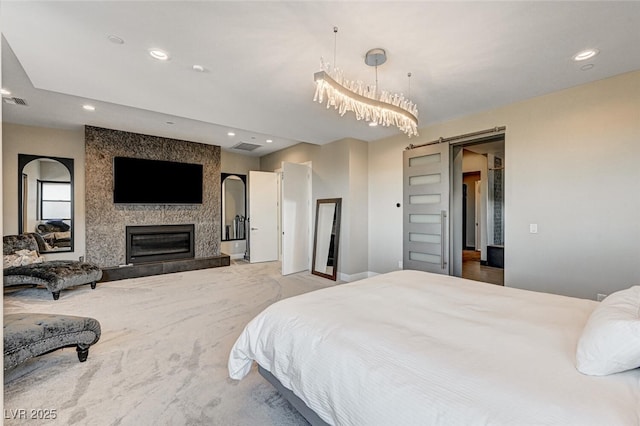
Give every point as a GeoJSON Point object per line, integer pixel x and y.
{"type": "Point", "coordinates": [426, 208]}
{"type": "Point", "coordinates": [296, 217]}
{"type": "Point", "coordinates": [263, 216]}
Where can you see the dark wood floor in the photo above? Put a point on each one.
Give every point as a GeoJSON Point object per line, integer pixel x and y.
{"type": "Point", "coordinates": [473, 270]}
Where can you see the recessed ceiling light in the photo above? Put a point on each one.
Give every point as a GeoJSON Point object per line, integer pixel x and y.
{"type": "Point", "coordinates": [5, 92]}
{"type": "Point", "coordinates": [158, 54]}
{"type": "Point", "coordinates": [89, 107]}
{"type": "Point", "coordinates": [198, 68]}
{"type": "Point", "coordinates": [170, 122]}
{"type": "Point", "coordinates": [373, 124]}
{"type": "Point", "coordinates": [230, 134]}
{"type": "Point", "coordinates": [115, 39]}
{"type": "Point", "coordinates": [585, 54]}
{"type": "Point", "coordinates": [586, 67]}
{"type": "Point", "coordinates": [269, 140]}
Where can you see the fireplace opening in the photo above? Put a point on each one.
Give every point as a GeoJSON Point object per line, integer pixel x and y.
{"type": "Point", "coordinates": [158, 243]}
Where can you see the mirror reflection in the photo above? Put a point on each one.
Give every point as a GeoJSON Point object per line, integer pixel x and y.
{"type": "Point", "coordinates": [326, 238]}
{"type": "Point", "coordinates": [45, 200]}
{"type": "Point", "coordinates": [233, 206]}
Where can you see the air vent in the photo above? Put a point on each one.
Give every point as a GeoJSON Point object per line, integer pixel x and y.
{"type": "Point", "coordinates": [14, 101]}
{"type": "Point", "coordinates": [244, 146]}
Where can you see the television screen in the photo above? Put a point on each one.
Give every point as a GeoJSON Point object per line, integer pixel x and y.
{"type": "Point", "coordinates": [141, 181]}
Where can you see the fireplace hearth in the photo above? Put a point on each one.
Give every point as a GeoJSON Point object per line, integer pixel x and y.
{"type": "Point", "coordinates": [157, 243]}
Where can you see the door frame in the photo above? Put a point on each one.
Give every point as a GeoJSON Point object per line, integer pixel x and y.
{"type": "Point", "coordinates": [456, 243]}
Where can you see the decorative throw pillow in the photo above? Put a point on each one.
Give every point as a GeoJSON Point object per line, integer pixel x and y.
{"type": "Point", "coordinates": [610, 341]}
{"type": "Point", "coordinates": [60, 225]}
{"type": "Point", "coordinates": [22, 258]}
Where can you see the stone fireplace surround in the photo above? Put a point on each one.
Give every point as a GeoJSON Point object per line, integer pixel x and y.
{"type": "Point", "coordinates": [106, 222]}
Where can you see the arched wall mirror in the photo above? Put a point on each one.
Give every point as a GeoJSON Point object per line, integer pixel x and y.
{"type": "Point", "coordinates": [234, 202]}
{"type": "Point", "coordinates": [326, 238]}
{"type": "Point", "coordinates": [45, 200]}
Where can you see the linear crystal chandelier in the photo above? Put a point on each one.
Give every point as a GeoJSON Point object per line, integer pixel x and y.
{"type": "Point", "coordinates": [366, 101]}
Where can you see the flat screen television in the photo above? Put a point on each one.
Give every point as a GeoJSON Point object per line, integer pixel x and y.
{"type": "Point", "coordinates": [142, 181]}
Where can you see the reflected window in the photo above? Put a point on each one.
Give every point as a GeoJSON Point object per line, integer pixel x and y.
{"type": "Point", "coordinates": [54, 200]}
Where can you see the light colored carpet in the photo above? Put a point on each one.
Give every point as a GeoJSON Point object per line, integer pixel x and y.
{"type": "Point", "coordinates": [162, 357]}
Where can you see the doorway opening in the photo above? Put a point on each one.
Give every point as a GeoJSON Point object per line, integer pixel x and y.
{"type": "Point", "coordinates": [479, 182]}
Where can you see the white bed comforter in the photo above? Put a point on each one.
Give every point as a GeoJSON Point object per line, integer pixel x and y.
{"type": "Point", "coordinates": [413, 348]}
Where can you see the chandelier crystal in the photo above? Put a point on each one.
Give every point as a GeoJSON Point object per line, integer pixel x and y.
{"type": "Point", "coordinates": [368, 104]}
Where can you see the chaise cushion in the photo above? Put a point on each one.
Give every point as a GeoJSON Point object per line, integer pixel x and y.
{"type": "Point", "coordinates": [29, 335]}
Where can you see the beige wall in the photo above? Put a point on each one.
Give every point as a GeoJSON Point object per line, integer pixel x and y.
{"type": "Point", "coordinates": [19, 139]}
{"type": "Point", "coordinates": [231, 162]}
{"type": "Point", "coordinates": [472, 162]}
{"type": "Point", "coordinates": [340, 170]}
{"type": "Point", "coordinates": [570, 167]}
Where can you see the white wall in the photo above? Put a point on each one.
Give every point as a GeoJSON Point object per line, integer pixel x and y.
{"type": "Point", "coordinates": [19, 139]}
{"type": "Point", "coordinates": [231, 162]}
{"type": "Point", "coordinates": [571, 167]}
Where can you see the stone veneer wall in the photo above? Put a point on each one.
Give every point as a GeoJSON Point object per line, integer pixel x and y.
{"type": "Point", "coordinates": [498, 202]}
{"type": "Point", "coordinates": [106, 221]}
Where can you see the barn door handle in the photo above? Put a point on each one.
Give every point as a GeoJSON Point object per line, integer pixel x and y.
{"type": "Point", "coordinates": [443, 229]}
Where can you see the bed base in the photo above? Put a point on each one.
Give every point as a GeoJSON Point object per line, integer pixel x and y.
{"type": "Point", "coordinates": [296, 402]}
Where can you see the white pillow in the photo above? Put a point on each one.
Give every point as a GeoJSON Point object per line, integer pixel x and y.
{"type": "Point", "coordinates": [22, 258]}
{"type": "Point", "coordinates": [610, 342]}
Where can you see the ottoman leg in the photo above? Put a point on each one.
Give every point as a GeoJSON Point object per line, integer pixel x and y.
{"type": "Point", "coordinates": [83, 352]}
{"type": "Point", "coordinates": [93, 285]}
{"type": "Point", "coordinates": [56, 295]}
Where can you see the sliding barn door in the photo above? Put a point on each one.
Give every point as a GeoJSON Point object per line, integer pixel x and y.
{"type": "Point", "coordinates": [426, 208]}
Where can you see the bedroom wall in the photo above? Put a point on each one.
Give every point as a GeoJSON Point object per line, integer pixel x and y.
{"type": "Point", "coordinates": [20, 139]}
{"type": "Point", "coordinates": [231, 162]}
{"type": "Point", "coordinates": [570, 167]}
{"type": "Point", "coordinates": [340, 169]}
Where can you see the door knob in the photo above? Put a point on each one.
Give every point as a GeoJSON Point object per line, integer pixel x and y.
{"type": "Point", "coordinates": [254, 229]}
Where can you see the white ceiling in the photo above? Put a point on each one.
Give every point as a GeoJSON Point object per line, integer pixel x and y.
{"type": "Point", "coordinates": [259, 60]}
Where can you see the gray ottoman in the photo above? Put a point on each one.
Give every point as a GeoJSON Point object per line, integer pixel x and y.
{"type": "Point", "coordinates": [30, 335]}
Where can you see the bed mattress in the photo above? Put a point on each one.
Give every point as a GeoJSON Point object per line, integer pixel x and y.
{"type": "Point", "coordinates": [413, 348]}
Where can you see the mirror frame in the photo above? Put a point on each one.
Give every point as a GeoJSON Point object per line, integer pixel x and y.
{"type": "Point", "coordinates": [336, 238]}
{"type": "Point", "coordinates": [243, 178]}
{"type": "Point", "coordinates": [23, 160]}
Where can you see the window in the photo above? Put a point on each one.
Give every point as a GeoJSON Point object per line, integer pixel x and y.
{"type": "Point", "coordinates": [54, 200]}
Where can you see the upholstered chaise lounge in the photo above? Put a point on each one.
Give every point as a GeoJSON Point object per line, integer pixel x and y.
{"type": "Point", "coordinates": [29, 335]}
{"type": "Point", "coordinates": [56, 275]}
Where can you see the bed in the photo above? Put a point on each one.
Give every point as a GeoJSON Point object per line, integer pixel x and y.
{"type": "Point", "coordinates": [409, 348]}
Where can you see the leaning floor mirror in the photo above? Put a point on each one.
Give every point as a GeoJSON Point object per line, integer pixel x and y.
{"type": "Point", "coordinates": [326, 238]}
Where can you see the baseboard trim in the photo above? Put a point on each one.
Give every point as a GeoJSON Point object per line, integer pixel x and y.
{"type": "Point", "coordinates": [355, 277]}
